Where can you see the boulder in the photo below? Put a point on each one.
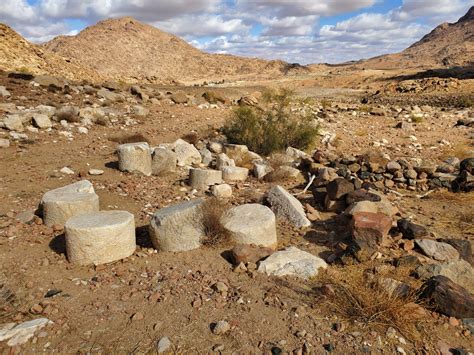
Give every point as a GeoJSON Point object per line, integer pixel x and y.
{"type": "Point", "coordinates": [411, 230]}
{"type": "Point", "coordinates": [261, 169]}
{"type": "Point", "coordinates": [234, 173]}
{"type": "Point", "coordinates": [206, 156]}
{"type": "Point", "coordinates": [459, 271]}
{"type": "Point", "coordinates": [369, 231]}
{"type": "Point", "coordinates": [202, 178]}
{"type": "Point", "coordinates": [50, 81]}
{"type": "Point", "coordinates": [463, 247]}
{"type": "Point", "coordinates": [287, 206]}
{"type": "Point", "coordinates": [437, 250]}
{"type": "Point", "coordinates": [135, 158]}
{"type": "Point", "coordinates": [179, 97]}
{"type": "Point", "coordinates": [223, 160]}
{"type": "Point", "coordinates": [186, 153]}
{"type": "Point", "coordinates": [292, 262]}
{"type": "Point", "coordinates": [339, 188]}
{"type": "Point", "coordinates": [251, 224]}
{"type": "Point", "coordinates": [448, 297]}
{"type": "Point", "coordinates": [42, 121]}
{"type": "Point", "coordinates": [13, 123]}
{"type": "Point", "coordinates": [68, 201]}
{"type": "Point", "coordinates": [221, 191]}
{"type": "Point", "coordinates": [109, 95]}
{"type": "Point", "coordinates": [100, 237]}
{"type": "Point", "coordinates": [163, 161]}
{"type": "Point", "coordinates": [178, 228]}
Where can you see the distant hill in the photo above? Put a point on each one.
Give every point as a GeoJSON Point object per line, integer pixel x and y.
{"type": "Point", "coordinates": [129, 50]}
{"type": "Point", "coordinates": [447, 45]}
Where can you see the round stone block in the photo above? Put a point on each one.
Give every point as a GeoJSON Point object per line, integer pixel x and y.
{"type": "Point", "coordinates": [100, 237]}
{"type": "Point", "coordinates": [251, 224]}
{"type": "Point", "coordinates": [135, 157]}
{"type": "Point", "coordinates": [202, 178]}
{"type": "Point", "coordinates": [234, 173]}
{"type": "Point", "coordinates": [60, 204]}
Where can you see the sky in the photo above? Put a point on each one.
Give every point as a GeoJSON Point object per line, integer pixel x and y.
{"type": "Point", "coordinates": [298, 31]}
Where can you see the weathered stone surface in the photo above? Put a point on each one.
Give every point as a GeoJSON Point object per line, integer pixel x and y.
{"type": "Point", "coordinates": [369, 231]}
{"type": "Point", "coordinates": [448, 297]}
{"type": "Point", "coordinates": [100, 237]}
{"type": "Point", "coordinates": [179, 97]}
{"type": "Point", "coordinates": [249, 253]}
{"type": "Point", "coordinates": [393, 166]}
{"type": "Point", "coordinates": [236, 152]}
{"type": "Point", "coordinates": [18, 334]}
{"type": "Point", "coordinates": [216, 147]}
{"type": "Point", "coordinates": [437, 250]}
{"type": "Point", "coordinates": [109, 95]}
{"type": "Point", "coordinates": [67, 113]}
{"type": "Point", "coordinates": [4, 143]}
{"type": "Point", "coordinates": [261, 169]}
{"type": "Point", "coordinates": [163, 161]}
{"type": "Point", "coordinates": [251, 224]}
{"type": "Point", "coordinates": [221, 191]}
{"type": "Point", "coordinates": [223, 160]}
{"type": "Point", "coordinates": [203, 178]}
{"type": "Point", "coordinates": [411, 230]}
{"type": "Point", "coordinates": [292, 262]}
{"type": "Point", "coordinates": [135, 158]}
{"type": "Point", "coordinates": [362, 206]}
{"type": "Point", "coordinates": [4, 92]}
{"type": "Point", "coordinates": [164, 345]}
{"type": "Point", "coordinates": [283, 173]}
{"type": "Point", "coordinates": [178, 227]}
{"type": "Point", "coordinates": [287, 206]}
{"type": "Point", "coordinates": [206, 156]}
{"type": "Point", "coordinates": [296, 153]}
{"type": "Point", "coordinates": [42, 121]}
{"type": "Point", "coordinates": [13, 123]}
{"type": "Point", "coordinates": [140, 110]}
{"type": "Point", "coordinates": [186, 153]}
{"type": "Point", "coordinates": [48, 80]}
{"type": "Point", "coordinates": [65, 202]}
{"type": "Point", "coordinates": [234, 173]}
{"type": "Point", "coordinates": [459, 271]}
{"type": "Point", "coordinates": [338, 188]}
{"type": "Point", "coordinates": [361, 195]}
{"type": "Point", "coordinates": [463, 247]}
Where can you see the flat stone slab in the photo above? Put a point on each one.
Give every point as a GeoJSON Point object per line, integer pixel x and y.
{"type": "Point", "coordinates": [287, 206]}
{"type": "Point", "coordinates": [60, 204]}
{"type": "Point", "coordinates": [178, 228]}
{"type": "Point", "coordinates": [100, 237]}
{"type": "Point", "coordinates": [292, 262]}
{"type": "Point", "coordinates": [437, 250]}
{"type": "Point", "coordinates": [251, 224]}
{"type": "Point", "coordinates": [18, 334]}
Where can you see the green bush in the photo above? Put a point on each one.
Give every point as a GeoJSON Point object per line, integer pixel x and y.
{"type": "Point", "coordinates": [271, 127]}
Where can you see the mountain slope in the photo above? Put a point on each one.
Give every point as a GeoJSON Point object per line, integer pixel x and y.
{"type": "Point", "coordinates": [17, 54]}
{"type": "Point", "coordinates": [447, 45]}
{"type": "Point", "coordinates": [129, 50]}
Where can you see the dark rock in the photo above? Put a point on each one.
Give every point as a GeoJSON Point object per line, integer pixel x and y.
{"type": "Point", "coordinates": [361, 195]}
{"type": "Point", "coordinates": [319, 194]}
{"type": "Point", "coordinates": [21, 76]}
{"type": "Point", "coordinates": [338, 188]}
{"type": "Point", "coordinates": [411, 230]}
{"type": "Point", "coordinates": [369, 232]}
{"type": "Point", "coordinates": [448, 297]}
{"type": "Point", "coordinates": [468, 165]}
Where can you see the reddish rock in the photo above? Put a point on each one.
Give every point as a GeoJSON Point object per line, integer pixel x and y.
{"type": "Point", "coordinates": [370, 230]}
{"type": "Point", "coordinates": [249, 253]}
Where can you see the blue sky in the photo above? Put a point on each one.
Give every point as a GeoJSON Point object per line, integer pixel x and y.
{"type": "Point", "coordinates": [304, 31]}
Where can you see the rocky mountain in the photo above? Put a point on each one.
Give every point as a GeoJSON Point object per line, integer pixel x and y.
{"type": "Point", "coordinates": [126, 49]}
{"type": "Point", "coordinates": [17, 54]}
{"type": "Point", "coordinates": [449, 44]}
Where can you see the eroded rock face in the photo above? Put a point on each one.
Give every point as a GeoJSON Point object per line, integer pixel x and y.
{"type": "Point", "coordinates": [292, 262]}
{"type": "Point", "coordinates": [459, 271]}
{"type": "Point", "coordinates": [287, 206]}
{"type": "Point", "coordinates": [437, 250]}
{"type": "Point", "coordinates": [251, 224]}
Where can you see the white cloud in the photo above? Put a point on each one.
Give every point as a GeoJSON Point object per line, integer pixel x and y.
{"type": "Point", "coordinates": [435, 11]}
{"type": "Point", "coordinates": [209, 25]}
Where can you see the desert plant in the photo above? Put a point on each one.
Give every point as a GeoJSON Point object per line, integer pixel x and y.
{"type": "Point", "coordinates": [364, 108]}
{"type": "Point", "coordinates": [271, 127]}
{"type": "Point", "coordinates": [129, 138]}
{"type": "Point", "coordinates": [215, 233]}
{"type": "Point", "coordinates": [416, 118]}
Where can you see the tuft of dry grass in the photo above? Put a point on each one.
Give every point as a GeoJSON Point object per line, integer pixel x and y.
{"type": "Point", "coordinates": [129, 138]}
{"type": "Point", "coordinates": [8, 301]}
{"type": "Point", "coordinates": [191, 138]}
{"type": "Point", "coordinates": [215, 233]}
{"type": "Point", "coordinates": [360, 297]}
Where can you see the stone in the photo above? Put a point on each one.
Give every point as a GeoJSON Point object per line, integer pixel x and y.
{"type": "Point", "coordinates": [186, 153]}
{"type": "Point", "coordinates": [216, 147]}
{"type": "Point", "coordinates": [221, 327]}
{"type": "Point", "coordinates": [67, 171]}
{"type": "Point", "coordinates": [140, 110]}
{"type": "Point", "coordinates": [410, 174]}
{"type": "Point", "coordinates": [4, 143]}
{"type": "Point", "coordinates": [369, 231]}
{"type": "Point", "coordinates": [283, 173]}
{"type": "Point", "coordinates": [109, 95]}
{"type": "Point", "coordinates": [50, 81]}
{"type": "Point", "coordinates": [201, 179]}
{"type": "Point", "coordinates": [26, 217]}
{"type": "Point", "coordinates": [393, 166]}
{"type": "Point", "coordinates": [287, 206]}
{"type": "Point", "coordinates": [42, 121]}
{"type": "Point", "coordinates": [411, 230]}
{"type": "Point", "coordinates": [96, 172]}
{"type": "Point", "coordinates": [437, 250]}
{"type": "Point", "coordinates": [67, 113]}
{"type": "Point", "coordinates": [60, 204]}
{"type": "Point", "coordinates": [179, 97]}
{"type": "Point", "coordinates": [221, 191]}
{"type": "Point", "coordinates": [339, 188]}
{"type": "Point", "coordinates": [394, 287]}
{"type": "Point", "coordinates": [4, 92]}
{"type": "Point", "coordinates": [18, 334]}
{"type": "Point", "coordinates": [296, 153]}
{"type": "Point", "coordinates": [163, 161]}
{"type": "Point", "coordinates": [362, 206]}
{"type": "Point", "coordinates": [178, 228]}
{"type": "Point", "coordinates": [261, 169]}
{"type": "Point", "coordinates": [164, 345]}
{"type": "Point", "coordinates": [463, 247]}
{"type": "Point", "coordinates": [13, 123]}
{"type": "Point", "coordinates": [223, 160]}
{"type": "Point", "coordinates": [467, 165]}
{"type": "Point", "coordinates": [334, 205]}
{"type": "Point", "coordinates": [251, 224]}
{"type": "Point", "coordinates": [135, 158]}
{"type": "Point", "coordinates": [206, 156]}
{"type": "Point", "coordinates": [447, 297]}
{"type": "Point", "coordinates": [237, 152]}
{"type": "Point", "coordinates": [362, 195]}
{"type": "Point", "coordinates": [459, 271]}
{"type": "Point", "coordinates": [292, 262]}
{"type": "Point", "coordinates": [234, 173]}
{"type": "Point", "coordinates": [100, 237]}
{"type": "Point", "coordinates": [249, 253]}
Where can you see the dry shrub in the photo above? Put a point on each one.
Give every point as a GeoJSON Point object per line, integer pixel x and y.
{"type": "Point", "coordinates": [191, 138]}
{"type": "Point", "coordinates": [8, 301]}
{"type": "Point", "coordinates": [361, 298]}
{"type": "Point", "coordinates": [129, 138]}
{"type": "Point", "coordinates": [215, 233]}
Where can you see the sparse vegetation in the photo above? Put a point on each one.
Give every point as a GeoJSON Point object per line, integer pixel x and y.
{"type": "Point", "coordinates": [129, 138]}
{"type": "Point", "coordinates": [215, 233]}
{"type": "Point", "coordinates": [364, 108]}
{"type": "Point", "coordinates": [416, 118]}
{"type": "Point", "coordinates": [466, 102]}
{"type": "Point", "coordinates": [272, 127]}
{"type": "Point", "coordinates": [325, 103]}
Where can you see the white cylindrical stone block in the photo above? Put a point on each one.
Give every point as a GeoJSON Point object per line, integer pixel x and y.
{"type": "Point", "coordinates": [234, 173]}
{"type": "Point", "coordinates": [100, 237]}
{"type": "Point", "coordinates": [202, 178]}
{"type": "Point", "coordinates": [60, 204]}
{"type": "Point", "coordinates": [135, 157]}
{"type": "Point", "coordinates": [251, 224]}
